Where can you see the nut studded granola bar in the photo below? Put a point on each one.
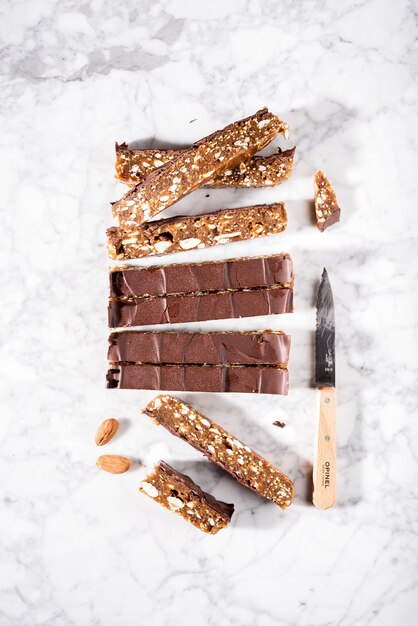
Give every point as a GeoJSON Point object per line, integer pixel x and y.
{"type": "Point", "coordinates": [208, 157]}
{"type": "Point", "coordinates": [266, 347]}
{"type": "Point", "coordinates": [200, 307]}
{"type": "Point", "coordinates": [180, 278]}
{"type": "Point", "coordinates": [177, 492]}
{"type": "Point", "coordinates": [201, 231]}
{"type": "Point", "coordinates": [268, 379]}
{"type": "Point", "coordinates": [132, 166]}
{"type": "Point", "coordinates": [245, 465]}
{"type": "Point", "coordinates": [327, 211]}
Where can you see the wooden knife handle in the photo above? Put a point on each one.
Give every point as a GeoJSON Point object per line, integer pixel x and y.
{"type": "Point", "coordinates": [325, 469]}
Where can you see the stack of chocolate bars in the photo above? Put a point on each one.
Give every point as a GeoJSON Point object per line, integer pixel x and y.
{"type": "Point", "coordinates": [232, 288]}
{"type": "Point", "coordinates": [216, 362]}
{"type": "Point", "coordinates": [246, 362]}
{"type": "Point", "coordinates": [196, 292]}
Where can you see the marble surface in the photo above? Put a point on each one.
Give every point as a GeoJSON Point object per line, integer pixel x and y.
{"type": "Point", "coordinates": [80, 547]}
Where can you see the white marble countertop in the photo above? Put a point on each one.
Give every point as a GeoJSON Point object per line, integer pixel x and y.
{"type": "Point", "coordinates": [80, 547]}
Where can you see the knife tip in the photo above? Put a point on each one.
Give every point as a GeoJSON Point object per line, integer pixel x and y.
{"type": "Point", "coordinates": [325, 276]}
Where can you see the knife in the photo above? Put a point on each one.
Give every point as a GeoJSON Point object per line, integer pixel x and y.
{"type": "Point", "coordinates": [324, 469]}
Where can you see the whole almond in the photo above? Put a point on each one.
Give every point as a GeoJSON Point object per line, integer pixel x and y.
{"type": "Point", "coordinates": [113, 463]}
{"type": "Point", "coordinates": [106, 431]}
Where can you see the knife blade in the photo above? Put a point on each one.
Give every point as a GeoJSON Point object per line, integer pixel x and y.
{"type": "Point", "coordinates": [324, 469]}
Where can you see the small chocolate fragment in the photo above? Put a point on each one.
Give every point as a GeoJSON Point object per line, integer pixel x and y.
{"type": "Point", "coordinates": [196, 165]}
{"type": "Point", "coordinates": [177, 492]}
{"type": "Point", "coordinates": [267, 379]}
{"type": "Point", "coordinates": [133, 165]}
{"type": "Point", "coordinates": [212, 348]}
{"type": "Point", "coordinates": [200, 307]}
{"type": "Point", "coordinates": [327, 211]}
{"type": "Point", "coordinates": [186, 278]}
{"type": "Point", "coordinates": [279, 424]}
{"type": "Point", "coordinates": [197, 231]}
{"type": "Point", "coordinates": [218, 445]}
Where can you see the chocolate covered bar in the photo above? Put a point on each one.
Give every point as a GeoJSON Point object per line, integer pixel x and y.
{"type": "Point", "coordinates": [197, 307]}
{"type": "Point", "coordinates": [177, 492]}
{"type": "Point", "coordinates": [245, 465]}
{"type": "Point", "coordinates": [194, 166]}
{"type": "Point", "coordinates": [266, 379]}
{"type": "Point", "coordinates": [197, 231]}
{"type": "Point", "coordinates": [241, 273]}
{"type": "Point", "coordinates": [133, 165]}
{"type": "Point", "coordinates": [327, 211]}
{"type": "Point", "coordinates": [212, 348]}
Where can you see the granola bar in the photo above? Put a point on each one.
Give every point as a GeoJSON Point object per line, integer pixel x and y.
{"type": "Point", "coordinates": [200, 307]}
{"type": "Point", "coordinates": [245, 465]}
{"type": "Point", "coordinates": [195, 232]}
{"type": "Point", "coordinates": [208, 157]}
{"type": "Point", "coordinates": [133, 165]}
{"type": "Point", "coordinates": [327, 211]}
{"type": "Point", "coordinates": [181, 278]}
{"type": "Point", "coordinates": [214, 348]}
{"type": "Point", "coordinates": [177, 492]}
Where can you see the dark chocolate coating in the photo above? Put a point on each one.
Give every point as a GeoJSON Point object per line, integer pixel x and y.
{"type": "Point", "coordinates": [192, 277]}
{"type": "Point", "coordinates": [200, 307]}
{"type": "Point", "coordinates": [209, 378]}
{"type": "Point", "coordinates": [215, 348]}
{"type": "Point", "coordinates": [332, 219]}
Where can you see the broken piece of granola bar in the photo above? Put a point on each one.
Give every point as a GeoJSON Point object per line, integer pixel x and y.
{"type": "Point", "coordinates": [327, 211]}
{"type": "Point", "coordinates": [177, 492]}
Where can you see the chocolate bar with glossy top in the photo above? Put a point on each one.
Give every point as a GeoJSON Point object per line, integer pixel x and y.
{"type": "Point", "coordinates": [210, 378]}
{"type": "Point", "coordinates": [196, 307]}
{"type": "Point", "coordinates": [133, 165]}
{"type": "Point", "coordinates": [195, 166]}
{"type": "Point", "coordinates": [215, 348]}
{"type": "Point", "coordinates": [218, 445]}
{"type": "Point", "coordinates": [184, 278]}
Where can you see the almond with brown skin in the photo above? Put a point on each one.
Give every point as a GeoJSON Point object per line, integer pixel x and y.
{"type": "Point", "coordinates": [106, 431]}
{"type": "Point", "coordinates": [113, 463]}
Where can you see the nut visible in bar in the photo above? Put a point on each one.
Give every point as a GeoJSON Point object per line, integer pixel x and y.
{"type": "Point", "coordinates": [195, 166]}
{"type": "Point", "coordinates": [197, 231]}
{"type": "Point", "coordinates": [327, 211]}
{"type": "Point", "coordinates": [218, 445]}
{"type": "Point", "coordinates": [177, 492]}
{"type": "Point", "coordinates": [133, 165]}
{"type": "Point", "coordinates": [182, 278]}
